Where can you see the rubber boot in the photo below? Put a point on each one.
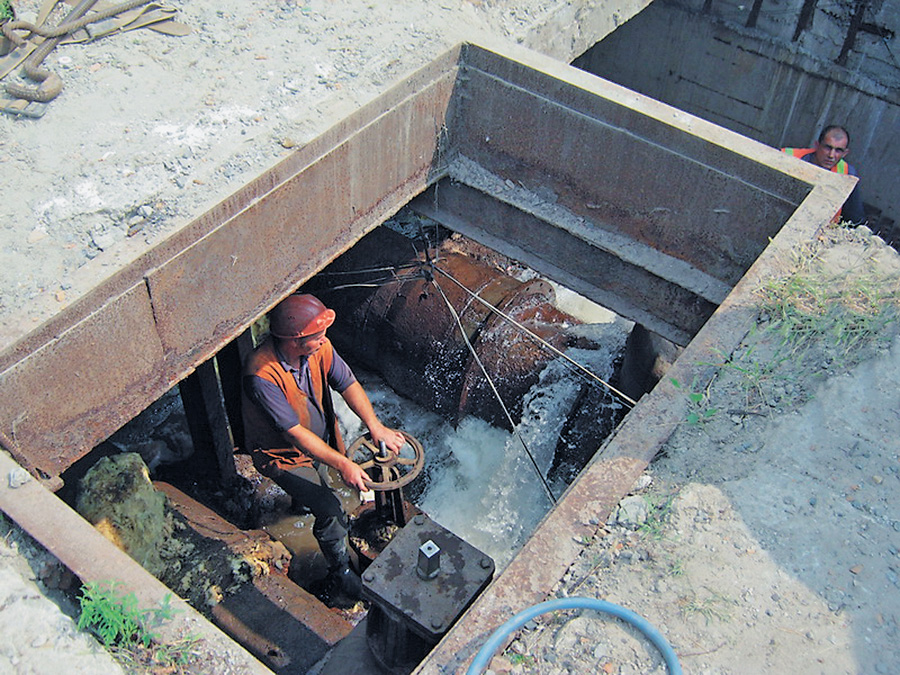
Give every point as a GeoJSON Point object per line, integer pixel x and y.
{"type": "Point", "coordinates": [345, 584]}
{"type": "Point", "coordinates": [343, 587]}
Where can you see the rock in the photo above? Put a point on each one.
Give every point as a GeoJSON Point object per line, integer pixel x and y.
{"type": "Point", "coordinates": [135, 224]}
{"type": "Point", "coordinates": [18, 477]}
{"type": "Point", "coordinates": [632, 512]}
{"type": "Point", "coordinates": [645, 481]}
{"type": "Point", "coordinates": [105, 239]}
{"type": "Point", "coordinates": [117, 497]}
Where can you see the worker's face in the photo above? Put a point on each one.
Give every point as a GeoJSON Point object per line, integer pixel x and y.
{"type": "Point", "coordinates": [831, 150]}
{"type": "Point", "coordinates": [295, 348]}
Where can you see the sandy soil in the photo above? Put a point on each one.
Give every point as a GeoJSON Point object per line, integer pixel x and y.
{"type": "Point", "coordinates": [151, 130]}
{"type": "Point", "coordinates": [37, 636]}
{"type": "Point", "coordinates": [766, 536]}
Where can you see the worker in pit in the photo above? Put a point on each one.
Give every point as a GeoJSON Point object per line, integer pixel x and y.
{"type": "Point", "coordinates": [292, 432]}
{"type": "Point", "coordinates": [828, 153]}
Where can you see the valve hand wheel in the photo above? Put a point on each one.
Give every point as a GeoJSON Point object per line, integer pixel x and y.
{"type": "Point", "coordinates": [368, 455]}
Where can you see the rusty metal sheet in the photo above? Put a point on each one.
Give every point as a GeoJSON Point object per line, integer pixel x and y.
{"type": "Point", "coordinates": [211, 279]}
{"type": "Point", "coordinates": [93, 558]}
{"type": "Point", "coordinates": [285, 627]}
{"type": "Point", "coordinates": [640, 116]}
{"type": "Point", "coordinates": [544, 559]}
{"type": "Point", "coordinates": [612, 177]}
{"type": "Point", "coordinates": [58, 396]}
{"type": "Point", "coordinates": [625, 161]}
{"type": "Point", "coordinates": [57, 402]}
{"type": "Point", "coordinates": [273, 244]}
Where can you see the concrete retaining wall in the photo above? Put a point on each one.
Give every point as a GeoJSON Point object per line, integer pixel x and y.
{"type": "Point", "coordinates": [760, 83]}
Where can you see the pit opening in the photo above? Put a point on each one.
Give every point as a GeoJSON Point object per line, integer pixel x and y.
{"type": "Point", "coordinates": [569, 413]}
{"type": "Point", "coordinates": [498, 148]}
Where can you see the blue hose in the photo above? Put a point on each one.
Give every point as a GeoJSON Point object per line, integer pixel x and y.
{"type": "Point", "coordinates": [484, 655]}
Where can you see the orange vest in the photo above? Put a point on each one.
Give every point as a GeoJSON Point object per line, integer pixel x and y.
{"type": "Point", "coordinates": [840, 167]}
{"type": "Point", "coordinates": [268, 446]}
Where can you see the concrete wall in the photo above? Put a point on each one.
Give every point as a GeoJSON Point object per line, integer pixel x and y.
{"type": "Point", "coordinates": [762, 84]}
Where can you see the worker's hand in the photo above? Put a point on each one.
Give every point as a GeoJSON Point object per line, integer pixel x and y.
{"type": "Point", "coordinates": [393, 439]}
{"type": "Point", "coordinates": [353, 475]}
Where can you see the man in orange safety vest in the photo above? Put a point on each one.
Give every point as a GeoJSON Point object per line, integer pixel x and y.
{"type": "Point", "coordinates": [828, 153]}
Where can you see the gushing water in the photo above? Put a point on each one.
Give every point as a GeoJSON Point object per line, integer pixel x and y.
{"type": "Point", "coordinates": [487, 485]}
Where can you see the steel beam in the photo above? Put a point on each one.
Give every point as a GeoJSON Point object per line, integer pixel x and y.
{"type": "Point", "coordinates": [640, 283]}
{"type": "Point", "coordinates": [230, 362]}
{"type": "Point", "coordinates": [207, 421]}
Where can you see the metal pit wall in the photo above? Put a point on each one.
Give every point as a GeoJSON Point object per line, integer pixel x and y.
{"type": "Point", "coordinates": [667, 219]}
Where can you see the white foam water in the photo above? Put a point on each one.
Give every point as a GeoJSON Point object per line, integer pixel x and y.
{"type": "Point", "coordinates": [479, 481]}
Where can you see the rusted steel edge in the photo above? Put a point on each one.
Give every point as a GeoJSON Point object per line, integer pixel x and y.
{"type": "Point", "coordinates": [188, 234]}
{"type": "Point", "coordinates": [48, 455]}
{"type": "Point", "coordinates": [535, 571]}
{"type": "Point", "coordinates": [91, 557]}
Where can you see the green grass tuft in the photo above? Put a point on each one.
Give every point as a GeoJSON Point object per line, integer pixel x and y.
{"type": "Point", "coordinates": [126, 630]}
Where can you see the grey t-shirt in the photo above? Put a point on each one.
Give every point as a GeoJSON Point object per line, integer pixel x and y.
{"type": "Point", "coordinates": [274, 404]}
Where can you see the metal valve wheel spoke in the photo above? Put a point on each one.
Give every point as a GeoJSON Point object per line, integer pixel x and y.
{"type": "Point", "coordinates": [388, 463]}
{"type": "Point", "coordinates": [366, 464]}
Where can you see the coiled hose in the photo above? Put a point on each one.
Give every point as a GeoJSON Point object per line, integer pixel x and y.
{"type": "Point", "coordinates": [484, 655]}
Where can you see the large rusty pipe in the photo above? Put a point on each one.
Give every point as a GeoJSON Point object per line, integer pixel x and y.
{"type": "Point", "coordinates": [404, 330]}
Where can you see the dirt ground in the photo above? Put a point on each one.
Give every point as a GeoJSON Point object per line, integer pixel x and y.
{"type": "Point", "coordinates": [152, 129]}
{"type": "Point", "coordinates": [765, 538]}
{"type": "Point", "coordinates": [770, 537]}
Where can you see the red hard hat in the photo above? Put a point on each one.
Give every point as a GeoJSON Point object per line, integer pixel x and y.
{"type": "Point", "coordinates": [299, 316]}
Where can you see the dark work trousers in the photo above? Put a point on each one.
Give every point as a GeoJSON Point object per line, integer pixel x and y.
{"type": "Point", "coordinates": [308, 487]}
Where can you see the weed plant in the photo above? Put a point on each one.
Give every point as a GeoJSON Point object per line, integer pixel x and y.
{"type": "Point", "coordinates": [676, 568]}
{"type": "Point", "coordinates": [659, 509]}
{"type": "Point", "coordinates": [714, 606]}
{"type": "Point", "coordinates": [126, 630]}
{"type": "Point", "coordinates": [699, 408]}
{"type": "Point", "coordinates": [829, 310]}
{"type": "Point", "coordinates": [756, 374]}
{"type": "Point", "coordinates": [840, 309]}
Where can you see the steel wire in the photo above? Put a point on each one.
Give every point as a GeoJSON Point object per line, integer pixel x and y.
{"type": "Point", "coordinates": [625, 398]}
{"type": "Point", "coordinates": [512, 424]}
